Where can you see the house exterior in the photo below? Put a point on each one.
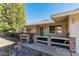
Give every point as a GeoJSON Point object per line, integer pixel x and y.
{"type": "Point", "coordinates": [64, 25]}
{"type": "Point", "coordinates": [49, 27]}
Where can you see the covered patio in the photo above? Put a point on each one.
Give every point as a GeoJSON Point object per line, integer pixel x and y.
{"type": "Point", "coordinates": [51, 32]}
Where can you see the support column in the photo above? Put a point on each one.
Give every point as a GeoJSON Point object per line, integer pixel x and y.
{"type": "Point", "coordinates": [77, 35]}
{"type": "Point", "coordinates": [72, 44]}
{"type": "Point", "coordinates": [49, 41]}
{"type": "Point", "coordinates": [28, 37]}
{"type": "Point", "coordinates": [35, 38]}
{"type": "Point", "coordinates": [77, 44]}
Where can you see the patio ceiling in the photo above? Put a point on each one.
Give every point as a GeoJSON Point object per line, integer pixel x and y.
{"type": "Point", "coordinates": [59, 19]}
{"type": "Point", "coordinates": [61, 16]}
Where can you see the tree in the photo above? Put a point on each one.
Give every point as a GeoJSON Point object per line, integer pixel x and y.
{"type": "Point", "coordinates": [11, 16]}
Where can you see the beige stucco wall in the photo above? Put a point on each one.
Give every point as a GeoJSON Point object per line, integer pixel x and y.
{"type": "Point", "coordinates": [36, 29]}
{"type": "Point", "coordinates": [74, 29]}
{"type": "Point", "coordinates": [46, 29]}
{"type": "Point", "coordinates": [64, 29]}
{"type": "Point", "coordinates": [32, 29]}
{"type": "Point", "coordinates": [73, 25]}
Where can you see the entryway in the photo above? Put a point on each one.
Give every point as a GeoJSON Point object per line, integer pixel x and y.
{"type": "Point", "coordinates": [41, 31]}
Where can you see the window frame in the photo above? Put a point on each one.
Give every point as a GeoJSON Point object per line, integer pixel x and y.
{"type": "Point", "coordinates": [50, 30]}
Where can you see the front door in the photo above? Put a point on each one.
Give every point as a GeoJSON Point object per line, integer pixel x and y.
{"type": "Point", "coordinates": [41, 31]}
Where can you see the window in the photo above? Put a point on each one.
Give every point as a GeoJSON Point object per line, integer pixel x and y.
{"type": "Point", "coordinates": [52, 29]}
{"type": "Point", "coordinates": [59, 29]}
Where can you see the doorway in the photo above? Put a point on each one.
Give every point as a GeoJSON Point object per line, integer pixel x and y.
{"type": "Point", "coordinates": [41, 31]}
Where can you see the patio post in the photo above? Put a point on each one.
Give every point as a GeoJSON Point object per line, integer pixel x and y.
{"type": "Point", "coordinates": [28, 38]}
{"type": "Point", "coordinates": [34, 38]}
{"type": "Point", "coordinates": [49, 41]}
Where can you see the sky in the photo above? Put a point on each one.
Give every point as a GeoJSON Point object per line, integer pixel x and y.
{"type": "Point", "coordinates": [41, 11]}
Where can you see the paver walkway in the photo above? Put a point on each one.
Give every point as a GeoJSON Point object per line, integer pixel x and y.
{"type": "Point", "coordinates": [56, 51]}
{"type": "Point", "coordinates": [37, 49]}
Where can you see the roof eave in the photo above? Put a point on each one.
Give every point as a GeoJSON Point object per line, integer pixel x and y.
{"type": "Point", "coordinates": [39, 24]}
{"type": "Point", "coordinates": [65, 13]}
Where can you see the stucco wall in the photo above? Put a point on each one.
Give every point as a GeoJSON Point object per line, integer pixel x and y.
{"type": "Point", "coordinates": [74, 29]}
{"type": "Point", "coordinates": [72, 25]}
{"type": "Point", "coordinates": [64, 29]}
{"type": "Point", "coordinates": [36, 29]}
{"type": "Point", "coordinates": [32, 29]}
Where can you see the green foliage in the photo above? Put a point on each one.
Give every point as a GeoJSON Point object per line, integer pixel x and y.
{"type": "Point", "coordinates": [11, 16]}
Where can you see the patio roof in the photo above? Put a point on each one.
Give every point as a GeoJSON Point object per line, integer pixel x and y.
{"type": "Point", "coordinates": [66, 13]}
{"type": "Point", "coordinates": [5, 42]}
{"type": "Point", "coordinates": [41, 22]}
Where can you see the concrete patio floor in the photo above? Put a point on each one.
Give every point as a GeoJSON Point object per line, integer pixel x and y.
{"type": "Point", "coordinates": [55, 51]}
